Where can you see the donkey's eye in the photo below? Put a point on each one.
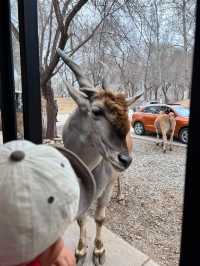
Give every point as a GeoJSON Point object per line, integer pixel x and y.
{"type": "Point", "coordinates": [97, 111]}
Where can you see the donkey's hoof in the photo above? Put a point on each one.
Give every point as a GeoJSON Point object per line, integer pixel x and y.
{"type": "Point", "coordinates": [80, 259]}
{"type": "Point", "coordinates": [164, 151]}
{"type": "Point", "coordinates": [99, 259]}
{"type": "Point", "coordinates": [120, 197]}
{"type": "Point", "coordinates": [157, 143]}
{"type": "Point", "coordinates": [122, 201]}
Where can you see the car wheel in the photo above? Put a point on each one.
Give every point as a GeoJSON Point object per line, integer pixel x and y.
{"type": "Point", "coordinates": [139, 128]}
{"type": "Point", "coordinates": [183, 135]}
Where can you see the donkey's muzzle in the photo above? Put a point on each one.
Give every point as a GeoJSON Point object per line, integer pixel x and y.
{"type": "Point", "coordinates": [125, 159]}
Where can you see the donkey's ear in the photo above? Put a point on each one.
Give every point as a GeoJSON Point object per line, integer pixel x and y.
{"type": "Point", "coordinates": [134, 99]}
{"type": "Point", "coordinates": [79, 97]}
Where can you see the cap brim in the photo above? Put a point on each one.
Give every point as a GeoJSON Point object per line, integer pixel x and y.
{"type": "Point", "coordinates": [85, 177]}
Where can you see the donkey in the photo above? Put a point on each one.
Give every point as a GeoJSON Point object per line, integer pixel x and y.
{"type": "Point", "coordinates": [96, 132]}
{"type": "Point", "coordinates": [165, 123]}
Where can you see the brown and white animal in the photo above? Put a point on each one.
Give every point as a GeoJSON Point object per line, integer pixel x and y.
{"type": "Point", "coordinates": [96, 132]}
{"type": "Point", "coordinates": [165, 123]}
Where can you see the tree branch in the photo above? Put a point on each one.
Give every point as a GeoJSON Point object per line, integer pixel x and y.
{"type": "Point", "coordinates": [86, 40]}
{"type": "Point", "coordinates": [78, 47]}
{"type": "Point", "coordinates": [44, 26]}
{"type": "Point", "coordinates": [59, 16]}
{"type": "Point", "coordinates": [50, 34]}
{"type": "Point", "coordinates": [58, 32]}
{"type": "Point", "coordinates": [46, 75]}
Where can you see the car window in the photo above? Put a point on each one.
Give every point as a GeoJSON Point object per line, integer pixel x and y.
{"type": "Point", "coordinates": [152, 109]}
{"type": "Point", "coordinates": [182, 111]}
{"type": "Point", "coordinates": [163, 108]}
{"type": "Point", "coordinates": [157, 109]}
{"type": "Point", "coordinates": [166, 109]}
{"type": "Point", "coordinates": [147, 110]}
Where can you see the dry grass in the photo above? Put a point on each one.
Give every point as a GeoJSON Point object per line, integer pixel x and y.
{"type": "Point", "coordinates": [65, 105]}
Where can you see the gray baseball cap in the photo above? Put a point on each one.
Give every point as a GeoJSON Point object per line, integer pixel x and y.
{"type": "Point", "coordinates": [85, 178]}
{"type": "Point", "coordinates": [42, 190]}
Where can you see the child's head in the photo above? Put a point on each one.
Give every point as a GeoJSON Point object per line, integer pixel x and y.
{"type": "Point", "coordinates": [41, 192]}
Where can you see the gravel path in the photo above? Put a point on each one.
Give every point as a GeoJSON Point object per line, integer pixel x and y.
{"type": "Point", "coordinates": [150, 218]}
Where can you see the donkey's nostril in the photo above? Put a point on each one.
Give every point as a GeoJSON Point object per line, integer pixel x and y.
{"type": "Point", "coordinates": [125, 159]}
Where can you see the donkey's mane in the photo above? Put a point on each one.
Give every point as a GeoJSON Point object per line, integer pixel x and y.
{"type": "Point", "coordinates": [117, 108]}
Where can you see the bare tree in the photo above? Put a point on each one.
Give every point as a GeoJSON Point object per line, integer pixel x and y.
{"type": "Point", "coordinates": [55, 19]}
{"type": "Point", "coordinates": [144, 43]}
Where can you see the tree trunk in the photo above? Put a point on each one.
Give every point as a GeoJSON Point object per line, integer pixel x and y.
{"type": "Point", "coordinates": [158, 49]}
{"type": "Point", "coordinates": [165, 88]}
{"type": "Point", "coordinates": [51, 111]}
{"type": "Point", "coordinates": [156, 93]}
{"type": "Point", "coordinates": [165, 97]}
{"type": "Point", "coordinates": [145, 92]}
{"type": "Point", "coordinates": [185, 45]}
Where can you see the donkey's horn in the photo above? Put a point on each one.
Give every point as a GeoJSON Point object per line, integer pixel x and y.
{"type": "Point", "coordinates": [134, 99]}
{"type": "Point", "coordinates": [83, 82]}
{"type": "Point", "coordinates": [106, 83]}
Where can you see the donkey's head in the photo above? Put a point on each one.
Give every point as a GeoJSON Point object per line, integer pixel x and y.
{"type": "Point", "coordinates": [105, 116]}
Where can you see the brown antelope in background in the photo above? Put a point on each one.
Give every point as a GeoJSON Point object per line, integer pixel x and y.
{"type": "Point", "coordinates": [165, 123]}
{"type": "Point", "coordinates": [96, 132]}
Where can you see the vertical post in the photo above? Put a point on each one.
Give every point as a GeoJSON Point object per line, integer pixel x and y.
{"type": "Point", "coordinates": [29, 51]}
{"type": "Point", "coordinates": [191, 222]}
{"type": "Point", "coordinates": [7, 88]}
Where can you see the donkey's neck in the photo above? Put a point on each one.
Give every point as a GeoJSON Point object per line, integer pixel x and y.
{"type": "Point", "coordinates": [77, 137]}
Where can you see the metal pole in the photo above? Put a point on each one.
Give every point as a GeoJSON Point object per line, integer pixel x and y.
{"type": "Point", "coordinates": [29, 50]}
{"type": "Point", "coordinates": [7, 88]}
{"type": "Point", "coordinates": [191, 221]}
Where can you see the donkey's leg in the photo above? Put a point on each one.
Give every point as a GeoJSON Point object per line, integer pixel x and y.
{"type": "Point", "coordinates": [164, 140]}
{"type": "Point", "coordinates": [157, 136]}
{"type": "Point", "coordinates": [99, 250]}
{"type": "Point", "coordinates": [81, 250]}
{"type": "Point", "coordinates": [170, 142]}
{"type": "Point", "coordinates": [120, 195]}
{"type": "Point", "coordinates": [171, 139]}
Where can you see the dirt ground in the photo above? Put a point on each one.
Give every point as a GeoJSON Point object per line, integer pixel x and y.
{"type": "Point", "coordinates": [150, 218]}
